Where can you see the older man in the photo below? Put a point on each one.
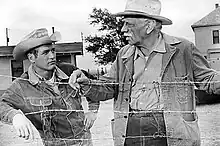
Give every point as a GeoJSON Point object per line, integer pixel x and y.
{"type": "Point", "coordinates": [41, 98]}
{"type": "Point", "coordinates": [155, 74]}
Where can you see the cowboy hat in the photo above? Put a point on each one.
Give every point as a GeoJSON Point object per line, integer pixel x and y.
{"type": "Point", "coordinates": [35, 39]}
{"type": "Point", "coordinates": [144, 8]}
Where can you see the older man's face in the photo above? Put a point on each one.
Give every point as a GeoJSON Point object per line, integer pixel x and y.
{"type": "Point", "coordinates": [46, 58]}
{"type": "Point", "coordinates": [135, 30]}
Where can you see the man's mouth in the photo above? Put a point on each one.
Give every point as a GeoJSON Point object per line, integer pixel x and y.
{"type": "Point", "coordinates": [52, 62]}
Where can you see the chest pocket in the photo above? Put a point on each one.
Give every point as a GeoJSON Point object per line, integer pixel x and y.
{"type": "Point", "coordinates": [182, 87]}
{"type": "Point", "coordinates": [38, 103]}
{"type": "Point", "coordinates": [41, 101]}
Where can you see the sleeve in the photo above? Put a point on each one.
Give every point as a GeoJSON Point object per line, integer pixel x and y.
{"type": "Point", "coordinates": [93, 105]}
{"type": "Point", "coordinates": [9, 103]}
{"type": "Point", "coordinates": [205, 77]}
{"type": "Point", "coordinates": [106, 87]}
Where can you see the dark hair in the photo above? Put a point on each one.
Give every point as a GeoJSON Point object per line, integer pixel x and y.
{"type": "Point", "coordinates": [32, 51]}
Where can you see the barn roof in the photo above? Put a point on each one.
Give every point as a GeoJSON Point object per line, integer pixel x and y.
{"type": "Point", "coordinates": [64, 48]}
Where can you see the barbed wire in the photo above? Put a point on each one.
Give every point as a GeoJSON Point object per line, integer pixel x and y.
{"type": "Point", "coordinates": [213, 137]}
{"type": "Point", "coordinates": [130, 112]}
{"type": "Point", "coordinates": [97, 82]}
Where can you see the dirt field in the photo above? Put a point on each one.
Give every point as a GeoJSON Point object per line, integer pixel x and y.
{"type": "Point", "coordinates": [209, 122]}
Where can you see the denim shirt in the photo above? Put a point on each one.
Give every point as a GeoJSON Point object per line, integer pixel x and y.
{"type": "Point", "coordinates": [28, 94]}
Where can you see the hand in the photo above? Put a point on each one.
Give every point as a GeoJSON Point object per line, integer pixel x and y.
{"type": "Point", "coordinates": [78, 79]}
{"type": "Point", "coordinates": [23, 126]}
{"type": "Point", "coordinates": [90, 118]}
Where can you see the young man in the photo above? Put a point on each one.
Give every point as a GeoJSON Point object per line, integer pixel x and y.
{"type": "Point", "coordinates": [42, 98]}
{"type": "Point", "coordinates": [155, 74]}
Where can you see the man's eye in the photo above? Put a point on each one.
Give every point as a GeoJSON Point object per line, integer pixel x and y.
{"type": "Point", "coordinates": [46, 52]}
{"type": "Point", "coordinates": [129, 24]}
{"type": "Point", "coordinates": [53, 50]}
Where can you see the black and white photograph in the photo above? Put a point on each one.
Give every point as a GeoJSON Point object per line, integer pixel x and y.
{"type": "Point", "coordinates": [110, 73]}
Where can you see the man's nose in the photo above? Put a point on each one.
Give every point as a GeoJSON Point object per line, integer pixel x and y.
{"type": "Point", "coordinates": [52, 54]}
{"type": "Point", "coordinates": [124, 28]}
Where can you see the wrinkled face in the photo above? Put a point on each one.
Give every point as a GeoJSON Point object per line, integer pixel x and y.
{"type": "Point", "coordinates": [44, 59]}
{"type": "Point", "coordinates": [136, 29]}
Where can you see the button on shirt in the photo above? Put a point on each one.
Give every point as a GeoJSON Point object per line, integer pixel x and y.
{"type": "Point", "coordinates": [145, 93]}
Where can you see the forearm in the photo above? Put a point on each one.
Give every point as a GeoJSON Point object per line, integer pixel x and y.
{"type": "Point", "coordinates": [7, 112]}
{"type": "Point", "coordinates": [101, 91]}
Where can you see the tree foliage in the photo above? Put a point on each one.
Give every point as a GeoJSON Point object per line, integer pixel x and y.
{"type": "Point", "coordinates": [105, 46]}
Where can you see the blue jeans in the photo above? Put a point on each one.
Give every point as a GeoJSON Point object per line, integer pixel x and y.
{"type": "Point", "coordinates": [146, 129]}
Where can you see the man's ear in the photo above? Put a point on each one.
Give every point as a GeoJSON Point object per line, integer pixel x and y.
{"type": "Point", "coordinates": [150, 26]}
{"type": "Point", "coordinates": [31, 57]}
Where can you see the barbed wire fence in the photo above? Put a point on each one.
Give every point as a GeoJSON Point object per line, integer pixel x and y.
{"type": "Point", "coordinates": [110, 138]}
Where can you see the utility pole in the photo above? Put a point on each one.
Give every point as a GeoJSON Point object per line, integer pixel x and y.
{"type": "Point", "coordinates": [53, 32]}
{"type": "Point", "coordinates": [7, 39]}
{"type": "Point", "coordinates": [82, 42]}
{"type": "Point", "coordinates": [52, 29]}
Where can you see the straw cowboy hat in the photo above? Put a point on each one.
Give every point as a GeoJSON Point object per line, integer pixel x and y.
{"type": "Point", "coordinates": [36, 38]}
{"type": "Point", "coordinates": [146, 8]}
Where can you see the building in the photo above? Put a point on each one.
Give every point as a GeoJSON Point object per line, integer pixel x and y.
{"type": "Point", "coordinates": [207, 36]}
{"type": "Point", "coordinates": [66, 52]}
{"type": "Point", "coordinates": [207, 41]}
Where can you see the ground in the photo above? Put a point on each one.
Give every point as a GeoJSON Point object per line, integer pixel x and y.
{"type": "Point", "coordinates": [208, 122]}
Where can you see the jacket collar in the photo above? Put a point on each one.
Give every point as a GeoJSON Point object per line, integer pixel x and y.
{"type": "Point", "coordinates": [170, 40]}
{"type": "Point", "coordinates": [34, 78]}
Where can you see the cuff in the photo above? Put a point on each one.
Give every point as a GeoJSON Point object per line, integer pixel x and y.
{"type": "Point", "coordinates": [9, 117]}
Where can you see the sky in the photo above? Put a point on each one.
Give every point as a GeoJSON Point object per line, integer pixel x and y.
{"type": "Point", "coordinates": [70, 17]}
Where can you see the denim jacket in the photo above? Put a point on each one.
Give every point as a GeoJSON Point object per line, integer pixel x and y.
{"type": "Point", "coordinates": [182, 67]}
{"type": "Point", "coordinates": [30, 95]}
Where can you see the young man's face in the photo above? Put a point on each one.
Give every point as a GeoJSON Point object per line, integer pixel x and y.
{"type": "Point", "coordinates": [135, 30]}
{"type": "Point", "coordinates": [45, 59]}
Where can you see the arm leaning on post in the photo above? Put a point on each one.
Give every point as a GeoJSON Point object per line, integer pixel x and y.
{"type": "Point", "coordinates": [96, 90]}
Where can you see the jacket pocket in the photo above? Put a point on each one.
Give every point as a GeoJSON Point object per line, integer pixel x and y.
{"type": "Point", "coordinates": [40, 101]}
{"type": "Point", "coordinates": [191, 132]}
{"type": "Point", "coordinates": [182, 89]}
{"type": "Point", "coordinates": [182, 132]}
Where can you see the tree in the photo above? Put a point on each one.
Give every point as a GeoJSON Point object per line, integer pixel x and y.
{"type": "Point", "coordinates": [106, 46]}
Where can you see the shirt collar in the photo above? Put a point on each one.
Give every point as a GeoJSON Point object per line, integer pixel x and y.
{"type": "Point", "coordinates": [159, 47]}
{"type": "Point", "coordinates": [35, 78]}
{"type": "Point", "coordinates": [164, 39]}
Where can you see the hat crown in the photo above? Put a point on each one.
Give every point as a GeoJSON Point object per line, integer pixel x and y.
{"type": "Point", "coordinates": [150, 7]}
{"type": "Point", "coordinates": [34, 39]}
{"type": "Point", "coordinates": [36, 34]}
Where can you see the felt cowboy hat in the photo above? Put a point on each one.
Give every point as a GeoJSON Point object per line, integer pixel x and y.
{"type": "Point", "coordinates": [35, 39]}
{"type": "Point", "coordinates": [144, 8]}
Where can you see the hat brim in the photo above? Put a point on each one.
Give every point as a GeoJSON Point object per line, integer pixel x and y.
{"type": "Point", "coordinates": [19, 52]}
{"type": "Point", "coordinates": [164, 20]}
